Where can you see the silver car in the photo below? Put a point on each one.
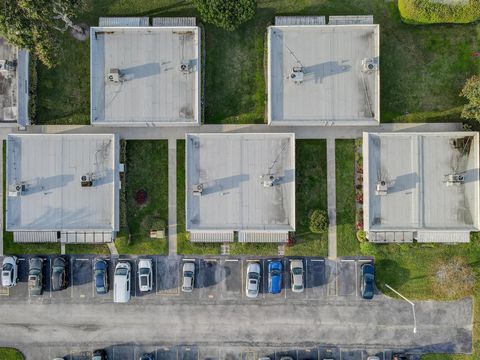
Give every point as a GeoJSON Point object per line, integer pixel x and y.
{"type": "Point", "coordinates": [296, 272]}
{"type": "Point", "coordinates": [188, 276]}
{"type": "Point", "coordinates": [253, 280]}
{"type": "Point", "coordinates": [9, 271]}
{"type": "Point", "coordinates": [145, 275]}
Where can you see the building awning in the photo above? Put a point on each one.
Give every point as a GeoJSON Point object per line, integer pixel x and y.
{"type": "Point", "coordinates": [211, 236]}
{"type": "Point", "coordinates": [263, 236]}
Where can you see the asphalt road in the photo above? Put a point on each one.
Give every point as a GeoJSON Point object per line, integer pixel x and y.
{"type": "Point", "coordinates": [442, 326]}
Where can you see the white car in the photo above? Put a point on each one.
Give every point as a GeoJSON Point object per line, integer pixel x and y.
{"type": "Point", "coordinates": [145, 275]}
{"type": "Point", "coordinates": [296, 272]}
{"type": "Point", "coordinates": [373, 358]}
{"type": "Point", "coordinates": [9, 271]}
{"type": "Point", "coordinates": [188, 272]}
{"type": "Point", "coordinates": [253, 280]}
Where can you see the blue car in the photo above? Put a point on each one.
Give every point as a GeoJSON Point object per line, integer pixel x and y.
{"type": "Point", "coordinates": [368, 281]}
{"type": "Point", "coordinates": [275, 277]}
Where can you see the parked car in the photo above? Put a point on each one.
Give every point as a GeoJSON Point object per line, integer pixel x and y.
{"type": "Point", "coordinates": [121, 282]}
{"type": "Point", "coordinates": [101, 276]}
{"type": "Point", "coordinates": [367, 286]}
{"type": "Point", "coordinates": [373, 358]}
{"type": "Point", "coordinates": [99, 354]}
{"type": "Point", "coordinates": [188, 278]}
{"type": "Point", "coordinates": [275, 268]}
{"type": "Point", "coordinates": [296, 272]}
{"type": "Point", "coordinates": [59, 274]}
{"type": "Point", "coordinates": [9, 271]}
{"type": "Point", "coordinates": [253, 280]}
{"type": "Point", "coordinates": [35, 276]}
{"type": "Point", "coordinates": [145, 275]}
{"type": "Point", "coordinates": [147, 357]}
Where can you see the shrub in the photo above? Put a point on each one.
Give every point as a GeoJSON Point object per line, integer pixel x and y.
{"type": "Point", "coordinates": [318, 221]}
{"type": "Point", "coordinates": [430, 12]}
{"type": "Point", "coordinates": [226, 14]}
{"type": "Point", "coordinates": [471, 91]}
{"type": "Point", "coordinates": [361, 236]}
{"type": "Point", "coordinates": [367, 248]}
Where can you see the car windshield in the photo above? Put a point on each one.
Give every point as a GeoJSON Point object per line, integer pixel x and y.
{"type": "Point", "coordinates": [297, 287]}
{"type": "Point", "coordinates": [275, 272]}
{"type": "Point", "coordinates": [121, 271]}
{"type": "Point", "coordinates": [7, 267]}
{"type": "Point", "coordinates": [297, 271]}
{"type": "Point", "coordinates": [144, 271]}
{"type": "Point", "coordinates": [253, 275]}
{"type": "Point", "coordinates": [188, 274]}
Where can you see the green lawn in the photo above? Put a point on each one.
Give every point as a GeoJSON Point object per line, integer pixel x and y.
{"type": "Point", "coordinates": [423, 68]}
{"type": "Point", "coordinates": [100, 249]}
{"type": "Point", "coordinates": [146, 169]}
{"type": "Point", "coordinates": [184, 246]}
{"type": "Point", "coordinates": [347, 243]}
{"type": "Point", "coordinates": [311, 194]}
{"type": "Point", "coordinates": [11, 354]}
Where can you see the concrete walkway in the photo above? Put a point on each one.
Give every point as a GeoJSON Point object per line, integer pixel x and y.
{"type": "Point", "coordinates": [112, 248]}
{"type": "Point", "coordinates": [331, 200]}
{"type": "Point", "coordinates": [172, 197]}
{"type": "Point", "coordinates": [178, 132]}
{"type": "Point", "coordinates": [1, 199]}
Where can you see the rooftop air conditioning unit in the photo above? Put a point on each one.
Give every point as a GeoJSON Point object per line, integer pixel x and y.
{"type": "Point", "coordinates": [382, 188]}
{"type": "Point", "coordinates": [115, 76]}
{"type": "Point", "coordinates": [86, 180]}
{"type": "Point", "coordinates": [454, 179]}
{"type": "Point", "coordinates": [198, 190]}
{"type": "Point", "coordinates": [270, 180]}
{"type": "Point", "coordinates": [369, 65]}
{"type": "Point", "coordinates": [7, 67]}
{"type": "Point", "coordinates": [297, 74]}
{"type": "Point", "coordinates": [185, 67]}
{"type": "Point", "coordinates": [16, 189]}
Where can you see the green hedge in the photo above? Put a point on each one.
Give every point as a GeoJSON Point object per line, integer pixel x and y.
{"type": "Point", "coordinates": [429, 12]}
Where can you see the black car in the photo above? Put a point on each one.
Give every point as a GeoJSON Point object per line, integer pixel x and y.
{"type": "Point", "coordinates": [99, 354]}
{"type": "Point", "coordinates": [101, 276]}
{"type": "Point", "coordinates": [59, 274]}
{"type": "Point", "coordinates": [401, 356]}
{"type": "Point", "coordinates": [147, 357]}
{"type": "Point", "coordinates": [368, 281]}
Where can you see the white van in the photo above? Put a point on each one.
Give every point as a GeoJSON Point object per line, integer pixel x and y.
{"type": "Point", "coordinates": [121, 282]}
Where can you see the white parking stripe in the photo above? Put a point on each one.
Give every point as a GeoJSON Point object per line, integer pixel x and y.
{"type": "Point", "coordinates": [322, 260]}
{"type": "Point", "coordinates": [81, 259]}
{"type": "Point", "coordinates": [347, 260]}
{"type": "Point", "coordinates": [235, 260]}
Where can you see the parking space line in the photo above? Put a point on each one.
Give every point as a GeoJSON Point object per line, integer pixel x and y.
{"type": "Point", "coordinates": [93, 278]}
{"type": "Point", "coordinates": [356, 280]}
{"type": "Point", "coordinates": [364, 260]}
{"type": "Point", "coordinates": [347, 260]}
{"type": "Point", "coordinates": [22, 259]}
{"type": "Point", "coordinates": [82, 259]}
{"type": "Point", "coordinates": [210, 260]}
{"type": "Point", "coordinates": [322, 260]}
{"type": "Point", "coordinates": [50, 293]}
{"type": "Point", "coordinates": [236, 260]}
{"type": "Point", "coordinates": [188, 260]}
{"type": "Point", "coordinates": [72, 263]}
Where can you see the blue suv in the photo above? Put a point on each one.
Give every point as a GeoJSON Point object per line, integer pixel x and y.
{"type": "Point", "coordinates": [275, 277]}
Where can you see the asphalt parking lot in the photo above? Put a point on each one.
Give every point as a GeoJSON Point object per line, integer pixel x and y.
{"type": "Point", "coordinates": [218, 279]}
{"type": "Point", "coordinates": [193, 352]}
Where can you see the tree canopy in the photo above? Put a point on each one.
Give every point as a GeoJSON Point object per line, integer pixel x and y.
{"type": "Point", "coordinates": [226, 14]}
{"type": "Point", "coordinates": [34, 25]}
{"type": "Point", "coordinates": [471, 91]}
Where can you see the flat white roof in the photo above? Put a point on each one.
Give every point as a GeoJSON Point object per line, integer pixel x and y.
{"type": "Point", "coordinates": [49, 167]}
{"type": "Point", "coordinates": [335, 90]}
{"type": "Point", "coordinates": [415, 166]}
{"type": "Point", "coordinates": [153, 89]}
{"type": "Point", "coordinates": [230, 168]}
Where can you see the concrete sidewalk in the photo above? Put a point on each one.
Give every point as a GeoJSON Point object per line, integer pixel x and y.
{"type": "Point", "coordinates": [331, 200]}
{"type": "Point", "coordinates": [172, 197]}
{"type": "Point", "coordinates": [301, 132]}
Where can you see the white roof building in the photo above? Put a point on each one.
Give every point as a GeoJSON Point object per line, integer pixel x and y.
{"type": "Point", "coordinates": [145, 75]}
{"type": "Point", "coordinates": [322, 74]}
{"type": "Point", "coordinates": [13, 85]}
{"type": "Point", "coordinates": [62, 187]}
{"type": "Point", "coordinates": [422, 186]}
{"type": "Point", "coordinates": [242, 183]}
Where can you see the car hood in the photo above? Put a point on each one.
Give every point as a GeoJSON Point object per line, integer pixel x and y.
{"type": "Point", "coordinates": [188, 266]}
